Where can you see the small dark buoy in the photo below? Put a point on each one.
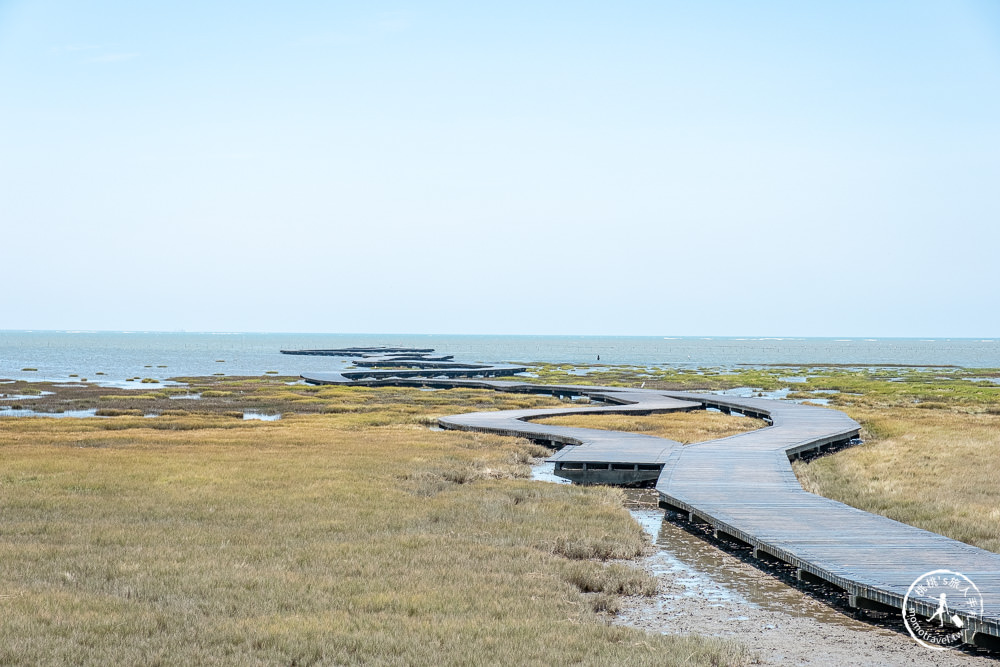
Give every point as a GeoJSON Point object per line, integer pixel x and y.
{"type": "Point", "coordinates": [598, 357]}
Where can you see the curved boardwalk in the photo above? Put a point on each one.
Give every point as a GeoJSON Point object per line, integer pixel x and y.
{"type": "Point", "coordinates": [743, 486]}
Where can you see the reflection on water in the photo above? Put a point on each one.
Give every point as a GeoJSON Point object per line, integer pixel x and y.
{"type": "Point", "coordinates": [24, 397]}
{"type": "Point", "coordinates": [15, 412]}
{"type": "Point", "coordinates": [261, 417]}
{"type": "Point", "coordinates": [544, 471]}
{"type": "Point", "coordinates": [815, 401]}
{"type": "Point", "coordinates": [678, 557]}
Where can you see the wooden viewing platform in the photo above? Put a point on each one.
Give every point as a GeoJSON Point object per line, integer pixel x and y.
{"type": "Point", "coordinates": [742, 486]}
{"type": "Point", "coordinates": [378, 363]}
{"type": "Point", "coordinates": [359, 351]}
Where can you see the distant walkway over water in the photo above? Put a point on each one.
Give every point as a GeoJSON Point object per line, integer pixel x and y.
{"type": "Point", "coordinates": [742, 486]}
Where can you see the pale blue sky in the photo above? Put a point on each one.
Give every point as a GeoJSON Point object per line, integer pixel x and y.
{"type": "Point", "coordinates": [718, 168]}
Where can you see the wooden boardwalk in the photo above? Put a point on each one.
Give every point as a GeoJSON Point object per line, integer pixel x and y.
{"type": "Point", "coordinates": [744, 488]}
{"type": "Point", "coordinates": [592, 456]}
{"type": "Point", "coordinates": [393, 363]}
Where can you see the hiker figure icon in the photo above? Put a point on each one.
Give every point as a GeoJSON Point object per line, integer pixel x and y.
{"type": "Point", "coordinates": [941, 610]}
{"type": "Point", "coordinates": [942, 613]}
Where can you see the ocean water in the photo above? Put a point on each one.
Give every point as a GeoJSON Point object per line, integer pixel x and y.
{"type": "Point", "coordinates": [121, 355]}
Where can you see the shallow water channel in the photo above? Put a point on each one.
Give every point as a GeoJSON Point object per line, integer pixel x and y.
{"type": "Point", "coordinates": [698, 570]}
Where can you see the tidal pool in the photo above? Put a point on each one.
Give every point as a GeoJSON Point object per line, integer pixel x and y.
{"type": "Point", "coordinates": [261, 417]}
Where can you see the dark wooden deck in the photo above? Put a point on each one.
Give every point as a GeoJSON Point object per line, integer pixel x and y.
{"type": "Point", "coordinates": [589, 456]}
{"type": "Point", "coordinates": [743, 486]}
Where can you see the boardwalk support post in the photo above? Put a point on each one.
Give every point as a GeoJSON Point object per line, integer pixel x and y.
{"type": "Point", "coordinates": [664, 505]}
{"type": "Point", "coordinates": [766, 556]}
{"type": "Point", "coordinates": [729, 537]}
{"type": "Point", "coordinates": [859, 602]}
{"type": "Point", "coordinates": [981, 640]}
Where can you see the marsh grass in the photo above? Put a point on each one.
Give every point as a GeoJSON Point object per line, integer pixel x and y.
{"type": "Point", "coordinates": [352, 536]}
{"type": "Point", "coordinates": [876, 386]}
{"type": "Point", "coordinates": [270, 394]}
{"type": "Point", "coordinates": [684, 427]}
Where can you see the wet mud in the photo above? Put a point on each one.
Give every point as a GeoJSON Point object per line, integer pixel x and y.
{"type": "Point", "coordinates": [707, 587]}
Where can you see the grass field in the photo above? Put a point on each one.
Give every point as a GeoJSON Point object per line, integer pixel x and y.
{"type": "Point", "coordinates": [684, 427]}
{"type": "Point", "coordinates": [346, 532]}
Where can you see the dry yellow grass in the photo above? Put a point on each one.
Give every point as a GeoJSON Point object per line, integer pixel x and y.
{"type": "Point", "coordinates": [935, 469]}
{"type": "Point", "coordinates": [356, 536]}
{"type": "Point", "coordinates": [684, 427]}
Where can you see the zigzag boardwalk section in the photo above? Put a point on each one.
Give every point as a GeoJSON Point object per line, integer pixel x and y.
{"type": "Point", "coordinates": [742, 486]}
{"type": "Point", "coordinates": [593, 456]}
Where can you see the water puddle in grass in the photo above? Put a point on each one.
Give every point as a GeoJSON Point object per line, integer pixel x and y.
{"type": "Point", "coordinates": [544, 471]}
{"type": "Point", "coordinates": [15, 412]}
{"type": "Point", "coordinates": [247, 416]}
{"type": "Point", "coordinates": [22, 397]}
{"type": "Point", "coordinates": [753, 392]}
{"type": "Point", "coordinates": [776, 394]}
{"type": "Point", "coordinates": [138, 384]}
{"type": "Point", "coordinates": [814, 401]}
{"type": "Point", "coordinates": [186, 397]}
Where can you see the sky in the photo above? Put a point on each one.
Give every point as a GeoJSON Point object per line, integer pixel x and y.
{"type": "Point", "coordinates": [630, 168]}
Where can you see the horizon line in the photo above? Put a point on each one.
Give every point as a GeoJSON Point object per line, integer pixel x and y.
{"type": "Point", "coordinates": [702, 336]}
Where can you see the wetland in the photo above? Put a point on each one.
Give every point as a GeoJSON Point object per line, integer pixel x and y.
{"type": "Point", "coordinates": [330, 534]}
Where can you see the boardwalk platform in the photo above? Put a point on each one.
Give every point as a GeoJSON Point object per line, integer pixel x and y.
{"type": "Point", "coordinates": [744, 488]}
{"type": "Point", "coordinates": [359, 351]}
{"type": "Point", "coordinates": [394, 363]}
{"type": "Point", "coordinates": [588, 456]}
{"type": "Point", "coordinates": [420, 376]}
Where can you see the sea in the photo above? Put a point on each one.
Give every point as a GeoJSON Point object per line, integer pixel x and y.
{"type": "Point", "coordinates": [111, 358]}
